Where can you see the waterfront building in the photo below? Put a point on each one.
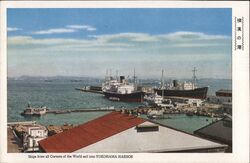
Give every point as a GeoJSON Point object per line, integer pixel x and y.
{"type": "Point", "coordinates": [184, 101]}
{"type": "Point", "coordinates": [223, 97]}
{"type": "Point", "coordinates": [121, 132]}
{"type": "Point", "coordinates": [31, 137]}
{"type": "Point", "coordinates": [220, 131]}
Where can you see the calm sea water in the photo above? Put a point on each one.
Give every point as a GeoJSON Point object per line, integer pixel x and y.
{"type": "Point", "coordinates": [61, 94]}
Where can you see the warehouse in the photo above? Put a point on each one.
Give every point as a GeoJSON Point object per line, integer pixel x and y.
{"type": "Point", "coordinates": [121, 132]}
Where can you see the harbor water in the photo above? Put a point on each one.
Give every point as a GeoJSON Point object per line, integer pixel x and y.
{"type": "Point", "coordinates": [61, 94]}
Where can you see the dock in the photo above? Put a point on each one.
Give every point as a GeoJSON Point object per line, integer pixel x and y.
{"type": "Point", "coordinates": [72, 110]}
{"type": "Point", "coordinates": [21, 123]}
{"type": "Point", "coordinates": [62, 111]}
{"type": "Point", "coordinates": [88, 90]}
{"type": "Point", "coordinates": [92, 89]}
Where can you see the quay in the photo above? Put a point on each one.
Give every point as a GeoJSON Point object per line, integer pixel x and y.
{"type": "Point", "coordinates": [21, 123]}
{"type": "Point", "coordinates": [209, 110]}
{"type": "Point", "coordinates": [37, 112]}
{"type": "Point", "coordinates": [92, 89]}
{"type": "Point", "coordinates": [80, 110]}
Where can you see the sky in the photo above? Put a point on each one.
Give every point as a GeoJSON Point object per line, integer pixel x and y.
{"type": "Point", "coordinates": [87, 42]}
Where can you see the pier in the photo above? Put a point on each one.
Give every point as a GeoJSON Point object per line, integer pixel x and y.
{"type": "Point", "coordinates": [92, 89]}
{"type": "Point", "coordinates": [80, 110]}
{"type": "Point", "coordinates": [21, 123]}
{"type": "Point", "coordinates": [65, 111]}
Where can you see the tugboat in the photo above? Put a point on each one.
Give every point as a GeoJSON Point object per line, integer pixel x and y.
{"type": "Point", "coordinates": [189, 90]}
{"type": "Point", "coordinates": [122, 90]}
{"type": "Point", "coordinates": [30, 111]}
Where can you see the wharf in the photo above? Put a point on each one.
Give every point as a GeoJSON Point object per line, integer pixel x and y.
{"type": "Point", "coordinates": [64, 111]}
{"type": "Point", "coordinates": [10, 124]}
{"type": "Point", "coordinates": [92, 89]}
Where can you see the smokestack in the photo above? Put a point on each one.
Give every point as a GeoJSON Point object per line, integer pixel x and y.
{"type": "Point", "coordinates": [122, 79]}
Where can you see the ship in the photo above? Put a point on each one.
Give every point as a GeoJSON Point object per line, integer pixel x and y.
{"type": "Point", "coordinates": [185, 89]}
{"type": "Point", "coordinates": [31, 111]}
{"type": "Point", "coordinates": [121, 90]}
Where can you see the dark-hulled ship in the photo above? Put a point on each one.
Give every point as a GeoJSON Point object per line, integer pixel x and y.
{"type": "Point", "coordinates": [189, 90]}
{"type": "Point", "coordinates": [121, 90]}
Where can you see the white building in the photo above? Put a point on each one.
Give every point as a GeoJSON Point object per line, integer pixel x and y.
{"type": "Point", "coordinates": [32, 136]}
{"type": "Point", "coordinates": [184, 101]}
{"type": "Point", "coordinates": [223, 97]}
{"type": "Point", "coordinates": [120, 132]}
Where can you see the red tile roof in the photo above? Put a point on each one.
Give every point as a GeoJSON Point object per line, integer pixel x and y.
{"type": "Point", "coordinates": [89, 133]}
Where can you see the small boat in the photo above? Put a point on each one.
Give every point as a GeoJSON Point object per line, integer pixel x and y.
{"type": "Point", "coordinates": [47, 80]}
{"type": "Point", "coordinates": [76, 80]}
{"type": "Point", "coordinates": [30, 111]}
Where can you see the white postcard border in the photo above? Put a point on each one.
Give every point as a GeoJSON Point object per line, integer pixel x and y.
{"type": "Point", "coordinates": [240, 83]}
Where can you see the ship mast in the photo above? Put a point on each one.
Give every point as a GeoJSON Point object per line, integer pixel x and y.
{"type": "Point", "coordinates": [135, 80]}
{"type": "Point", "coordinates": [107, 75]}
{"type": "Point", "coordinates": [162, 83]}
{"type": "Point", "coordinates": [117, 75]}
{"type": "Point", "coordinates": [110, 74]}
{"type": "Point", "coordinates": [194, 77]}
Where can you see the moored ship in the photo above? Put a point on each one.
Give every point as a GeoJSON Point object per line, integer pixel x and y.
{"type": "Point", "coordinates": [122, 90]}
{"type": "Point", "coordinates": [189, 90]}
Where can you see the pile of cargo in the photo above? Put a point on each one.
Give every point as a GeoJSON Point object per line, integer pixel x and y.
{"type": "Point", "coordinates": [53, 129]}
{"type": "Point", "coordinates": [20, 130]}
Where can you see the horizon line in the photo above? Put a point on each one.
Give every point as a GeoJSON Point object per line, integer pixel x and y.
{"type": "Point", "coordinates": [99, 77]}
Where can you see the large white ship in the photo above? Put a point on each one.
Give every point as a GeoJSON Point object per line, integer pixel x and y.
{"type": "Point", "coordinates": [121, 90]}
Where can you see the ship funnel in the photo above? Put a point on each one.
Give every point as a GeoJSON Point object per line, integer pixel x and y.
{"type": "Point", "coordinates": [122, 78]}
{"type": "Point", "coordinates": [175, 82]}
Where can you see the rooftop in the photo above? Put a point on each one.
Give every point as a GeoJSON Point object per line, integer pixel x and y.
{"type": "Point", "coordinates": [89, 133]}
{"type": "Point", "coordinates": [220, 130]}
{"type": "Point", "coordinates": [224, 91]}
{"type": "Point", "coordinates": [117, 132]}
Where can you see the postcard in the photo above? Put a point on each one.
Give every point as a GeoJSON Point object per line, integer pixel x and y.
{"type": "Point", "coordinates": [146, 81]}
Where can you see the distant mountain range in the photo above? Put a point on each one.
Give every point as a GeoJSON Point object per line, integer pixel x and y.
{"type": "Point", "coordinates": [51, 78]}
{"type": "Point", "coordinates": [95, 78]}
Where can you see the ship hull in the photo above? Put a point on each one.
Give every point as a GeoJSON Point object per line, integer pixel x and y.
{"type": "Point", "coordinates": [131, 97]}
{"type": "Point", "coordinates": [198, 93]}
